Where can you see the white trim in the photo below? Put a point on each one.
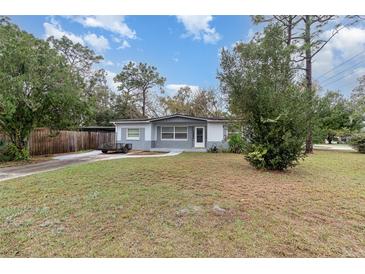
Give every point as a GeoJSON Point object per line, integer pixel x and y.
{"type": "Point", "coordinates": [154, 128]}
{"type": "Point", "coordinates": [130, 122]}
{"type": "Point", "coordinates": [174, 132]}
{"type": "Point", "coordinates": [147, 132]}
{"type": "Point", "coordinates": [196, 144]}
{"type": "Point", "coordinates": [133, 138]}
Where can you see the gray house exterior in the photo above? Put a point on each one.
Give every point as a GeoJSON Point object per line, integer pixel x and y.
{"type": "Point", "coordinates": [173, 132]}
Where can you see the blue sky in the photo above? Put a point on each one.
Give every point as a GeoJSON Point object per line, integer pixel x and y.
{"type": "Point", "coordinates": [185, 48]}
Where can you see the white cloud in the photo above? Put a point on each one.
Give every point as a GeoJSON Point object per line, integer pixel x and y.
{"type": "Point", "coordinates": [124, 45]}
{"type": "Point", "coordinates": [324, 61]}
{"type": "Point", "coordinates": [349, 41]}
{"type": "Point", "coordinates": [359, 72]}
{"type": "Point", "coordinates": [112, 23]}
{"type": "Point", "coordinates": [346, 44]}
{"type": "Point", "coordinates": [116, 39]}
{"type": "Point", "coordinates": [198, 27]}
{"type": "Point", "coordinates": [53, 28]}
{"type": "Point", "coordinates": [109, 78]}
{"type": "Point", "coordinates": [175, 59]}
{"type": "Point", "coordinates": [173, 88]}
{"type": "Point", "coordinates": [99, 43]}
{"type": "Point", "coordinates": [108, 63]}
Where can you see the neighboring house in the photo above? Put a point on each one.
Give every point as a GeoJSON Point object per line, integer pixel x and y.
{"type": "Point", "coordinates": [171, 132]}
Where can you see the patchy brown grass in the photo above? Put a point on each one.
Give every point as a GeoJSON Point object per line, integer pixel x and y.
{"type": "Point", "coordinates": [192, 205]}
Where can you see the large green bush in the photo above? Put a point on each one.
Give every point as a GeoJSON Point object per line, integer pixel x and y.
{"type": "Point", "coordinates": [276, 144]}
{"type": "Point", "coordinates": [258, 78]}
{"type": "Point", "coordinates": [358, 142]}
{"type": "Point", "coordinates": [236, 144]}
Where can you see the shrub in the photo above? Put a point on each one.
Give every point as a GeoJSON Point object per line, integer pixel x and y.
{"type": "Point", "coordinates": [278, 145]}
{"type": "Point", "coordinates": [257, 156]}
{"type": "Point", "coordinates": [236, 144]}
{"type": "Point", "coordinates": [12, 153]}
{"type": "Point", "coordinates": [3, 156]}
{"type": "Point", "coordinates": [213, 149]}
{"type": "Point", "coordinates": [358, 142]}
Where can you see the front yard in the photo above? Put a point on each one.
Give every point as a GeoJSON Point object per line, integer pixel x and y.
{"type": "Point", "coordinates": [191, 205]}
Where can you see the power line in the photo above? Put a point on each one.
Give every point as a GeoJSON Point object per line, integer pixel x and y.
{"type": "Point", "coordinates": [339, 65]}
{"type": "Point", "coordinates": [345, 70]}
{"type": "Point", "coordinates": [336, 80]}
{"type": "Point", "coordinates": [346, 86]}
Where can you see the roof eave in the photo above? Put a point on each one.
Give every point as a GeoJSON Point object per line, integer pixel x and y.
{"type": "Point", "coordinates": [131, 122]}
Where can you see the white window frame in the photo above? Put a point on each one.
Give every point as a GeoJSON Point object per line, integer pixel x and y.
{"type": "Point", "coordinates": [133, 138]}
{"type": "Point", "coordinates": [174, 139]}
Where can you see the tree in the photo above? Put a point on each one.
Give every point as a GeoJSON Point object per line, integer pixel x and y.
{"type": "Point", "coordinates": [201, 103]}
{"type": "Point", "coordinates": [307, 34]}
{"type": "Point", "coordinates": [125, 108]}
{"type": "Point", "coordinates": [334, 115]}
{"type": "Point", "coordinates": [37, 88]}
{"type": "Point", "coordinates": [137, 80]}
{"type": "Point", "coordinates": [83, 63]}
{"type": "Point", "coordinates": [358, 96]}
{"type": "Point", "coordinates": [4, 20]}
{"type": "Point", "coordinates": [208, 103]}
{"type": "Point", "coordinates": [103, 102]}
{"type": "Point", "coordinates": [179, 103]}
{"type": "Point", "coordinates": [79, 57]}
{"type": "Point", "coordinates": [258, 80]}
{"type": "Point", "coordinates": [287, 22]}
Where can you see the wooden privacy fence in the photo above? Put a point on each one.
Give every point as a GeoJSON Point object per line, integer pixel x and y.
{"type": "Point", "coordinates": [41, 142]}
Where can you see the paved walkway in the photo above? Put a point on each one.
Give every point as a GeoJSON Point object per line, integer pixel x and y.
{"type": "Point", "coordinates": [69, 159]}
{"type": "Point", "coordinates": [334, 147]}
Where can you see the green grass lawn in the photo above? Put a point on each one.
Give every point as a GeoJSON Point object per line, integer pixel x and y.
{"type": "Point", "coordinates": [191, 205]}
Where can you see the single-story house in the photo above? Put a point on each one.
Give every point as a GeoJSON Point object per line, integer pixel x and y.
{"type": "Point", "coordinates": [173, 132]}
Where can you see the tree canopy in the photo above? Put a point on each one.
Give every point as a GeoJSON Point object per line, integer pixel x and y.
{"type": "Point", "coordinates": [334, 116]}
{"type": "Point", "coordinates": [37, 87]}
{"type": "Point", "coordinates": [136, 81]}
{"type": "Point", "coordinates": [358, 96]}
{"type": "Point", "coordinates": [200, 103]}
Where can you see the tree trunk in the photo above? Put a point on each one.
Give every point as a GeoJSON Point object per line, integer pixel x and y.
{"type": "Point", "coordinates": [144, 103]}
{"type": "Point", "coordinates": [290, 29]}
{"type": "Point", "coordinates": [308, 77]}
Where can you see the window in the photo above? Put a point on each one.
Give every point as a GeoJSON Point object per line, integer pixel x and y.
{"type": "Point", "coordinates": [132, 133]}
{"type": "Point", "coordinates": [174, 133]}
{"type": "Point", "coordinates": [167, 133]}
{"type": "Point", "coordinates": [181, 133]}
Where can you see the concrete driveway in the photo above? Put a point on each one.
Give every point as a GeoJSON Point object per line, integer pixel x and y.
{"type": "Point", "coordinates": [69, 159]}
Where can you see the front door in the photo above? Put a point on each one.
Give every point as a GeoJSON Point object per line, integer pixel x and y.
{"type": "Point", "coordinates": [199, 137]}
